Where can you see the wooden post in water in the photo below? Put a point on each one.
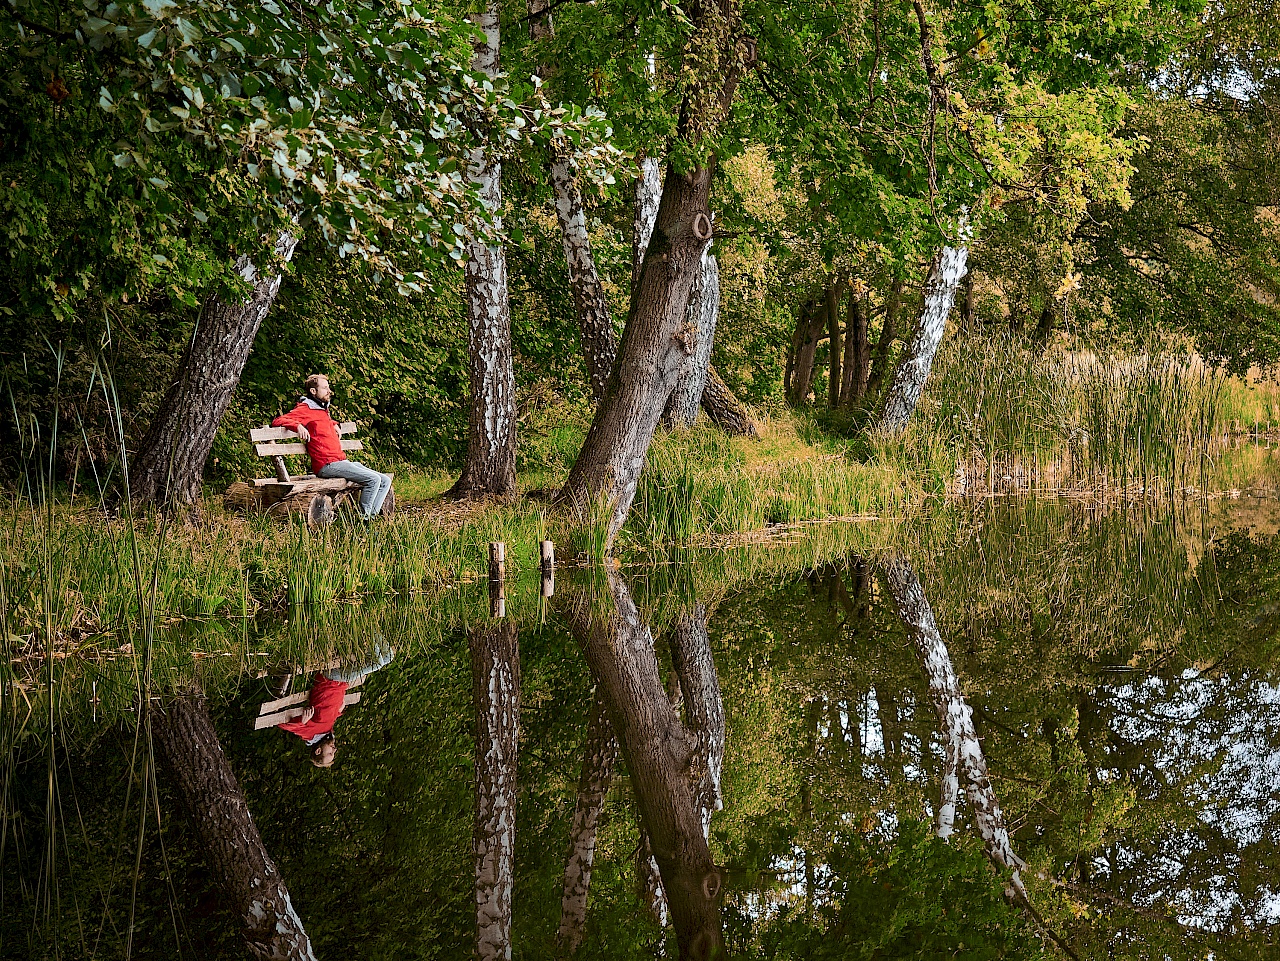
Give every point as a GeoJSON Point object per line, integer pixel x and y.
{"type": "Point", "coordinates": [497, 579]}
{"type": "Point", "coordinates": [547, 551]}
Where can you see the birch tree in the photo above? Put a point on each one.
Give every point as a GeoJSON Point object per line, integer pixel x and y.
{"type": "Point", "coordinates": [489, 469]}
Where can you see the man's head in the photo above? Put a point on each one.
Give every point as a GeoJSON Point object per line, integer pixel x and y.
{"type": "Point", "coordinates": [322, 754]}
{"type": "Point", "coordinates": [318, 389]}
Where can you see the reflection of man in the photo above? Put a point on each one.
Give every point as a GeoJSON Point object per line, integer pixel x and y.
{"type": "Point", "coordinates": [315, 724]}
{"type": "Point", "coordinates": [315, 428]}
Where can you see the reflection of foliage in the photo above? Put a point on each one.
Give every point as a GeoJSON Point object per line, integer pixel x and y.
{"type": "Point", "coordinates": [910, 897]}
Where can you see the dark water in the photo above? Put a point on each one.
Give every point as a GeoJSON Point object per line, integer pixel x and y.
{"type": "Point", "coordinates": [1119, 798]}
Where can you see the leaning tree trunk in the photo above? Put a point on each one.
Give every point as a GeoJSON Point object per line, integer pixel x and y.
{"type": "Point", "coordinates": [913, 369]}
{"type": "Point", "coordinates": [725, 410]}
{"type": "Point", "coordinates": [170, 462]}
{"type": "Point", "coordinates": [495, 679]}
{"type": "Point", "coordinates": [704, 307]}
{"type": "Point", "coordinates": [247, 880]}
{"type": "Point", "coordinates": [955, 718]}
{"type": "Point", "coordinates": [490, 466]}
{"type": "Point", "coordinates": [834, 293]}
{"type": "Point", "coordinates": [888, 333]}
{"type": "Point", "coordinates": [660, 753]}
{"type": "Point", "coordinates": [600, 753]}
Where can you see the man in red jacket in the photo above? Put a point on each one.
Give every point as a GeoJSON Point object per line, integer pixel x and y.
{"type": "Point", "coordinates": [315, 428]}
{"type": "Point", "coordinates": [315, 724]}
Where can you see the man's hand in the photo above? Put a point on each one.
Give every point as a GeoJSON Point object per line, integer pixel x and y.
{"type": "Point", "coordinates": [307, 714]}
{"type": "Point", "coordinates": [304, 435]}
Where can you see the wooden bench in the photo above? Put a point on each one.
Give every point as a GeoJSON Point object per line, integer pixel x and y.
{"type": "Point", "coordinates": [315, 498]}
{"type": "Point", "coordinates": [277, 712]}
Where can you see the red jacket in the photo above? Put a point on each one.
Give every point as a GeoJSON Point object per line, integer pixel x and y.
{"type": "Point", "coordinates": [326, 699]}
{"type": "Point", "coordinates": [324, 446]}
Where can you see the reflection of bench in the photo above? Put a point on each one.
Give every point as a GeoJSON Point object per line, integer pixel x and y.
{"type": "Point", "coordinates": [313, 497]}
{"type": "Point", "coordinates": [290, 708]}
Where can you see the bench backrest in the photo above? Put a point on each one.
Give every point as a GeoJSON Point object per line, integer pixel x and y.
{"type": "Point", "coordinates": [279, 441]}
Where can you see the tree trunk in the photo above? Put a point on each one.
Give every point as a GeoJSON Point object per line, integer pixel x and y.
{"type": "Point", "coordinates": [955, 718]}
{"type": "Point", "coordinates": [857, 352]}
{"type": "Point", "coordinates": [704, 708]}
{"type": "Point", "coordinates": [725, 410]}
{"type": "Point", "coordinates": [655, 344]}
{"type": "Point", "coordinates": [490, 466]}
{"type": "Point", "coordinates": [601, 751]}
{"type": "Point", "coordinates": [809, 329]}
{"type": "Point", "coordinates": [834, 294]}
{"type": "Point", "coordinates": [595, 323]}
{"type": "Point", "coordinates": [495, 685]}
{"type": "Point", "coordinates": [888, 333]}
{"type": "Point", "coordinates": [648, 199]}
{"type": "Point", "coordinates": [704, 307]}
{"type": "Point", "coordinates": [246, 879]}
{"type": "Point", "coordinates": [170, 461]}
{"type": "Point", "coordinates": [659, 752]}
{"type": "Point", "coordinates": [1045, 327]}
{"type": "Point", "coordinates": [913, 369]}
{"type": "Point", "coordinates": [968, 320]}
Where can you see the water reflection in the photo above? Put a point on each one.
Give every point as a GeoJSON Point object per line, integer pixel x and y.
{"type": "Point", "coordinates": [857, 759]}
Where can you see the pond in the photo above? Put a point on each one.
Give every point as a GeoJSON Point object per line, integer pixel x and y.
{"type": "Point", "coordinates": [1018, 730]}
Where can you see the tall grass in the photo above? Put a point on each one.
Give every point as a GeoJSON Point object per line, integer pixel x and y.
{"type": "Point", "coordinates": [1149, 421]}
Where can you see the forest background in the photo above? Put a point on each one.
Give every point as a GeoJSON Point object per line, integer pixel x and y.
{"type": "Point", "coordinates": [1109, 168]}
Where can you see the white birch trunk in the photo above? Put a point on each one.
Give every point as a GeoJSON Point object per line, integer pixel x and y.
{"type": "Point", "coordinates": [490, 467]}
{"type": "Point", "coordinates": [964, 751]}
{"type": "Point", "coordinates": [703, 310]}
{"type": "Point", "coordinates": [495, 672]}
{"type": "Point", "coordinates": [917, 357]}
{"type": "Point", "coordinates": [704, 707]}
{"type": "Point", "coordinates": [593, 787]}
{"type": "Point", "coordinates": [648, 196]}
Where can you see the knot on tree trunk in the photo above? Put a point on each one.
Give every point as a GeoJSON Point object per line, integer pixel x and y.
{"type": "Point", "coordinates": [687, 338]}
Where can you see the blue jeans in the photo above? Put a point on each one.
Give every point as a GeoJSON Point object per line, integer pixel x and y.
{"type": "Point", "coordinates": [375, 486]}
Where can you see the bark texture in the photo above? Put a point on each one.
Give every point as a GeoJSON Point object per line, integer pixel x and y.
{"type": "Point", "coordinates": [657, 338]}
{"type": "Point", "coordinates": [648, 198]}
{"type": "Point", "coordinates": [704, 308]}
{"type": "Point", "coordinates": [833, 295]}
{"type": "Point", "coordinates": [495, 677]}
{"type": "Point", "coordinates": [247, 879]}
{"type": "Point", "coordinates": [490, 466]}
{"type": "Point", "coordinates": [725, 410]}
{"type": "Point", "coordinates": [809, 327]}
{"type": "Point", "coordinates": [600, 754]}
{"type": "Point", "coordinates": [857, 352]}
{"type": "Point", "coordinates": [169, 464]}
{"type": "Point", "coordinates": [703, 705]}
{"type": "Point", "coordinates": [659, 753]}
{"type": "Point", "coordinates": [888, 334]}
{"type": "Point", "coordinates": [917, 358]}
{"type": "Point", "coordinates": [964, 759]}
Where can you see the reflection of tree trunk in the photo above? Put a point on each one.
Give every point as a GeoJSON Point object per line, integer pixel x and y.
{"type": "Point", "coordinates": [659, 752]}
{"type": "Point", "coordinates": [495, 680]}
{"type": "Point", "coordinates": [964, 751]}
{"type": "Point", "coordinates": [600, 753]}
{"type": "Point", "coordinates": [917, 358]}
{"type": "Point", "coordinates": [490, 465]}
{"type": "Point", "coordinates": [704, 708]}
{"type": "Point", "coordinates": [246, 878]}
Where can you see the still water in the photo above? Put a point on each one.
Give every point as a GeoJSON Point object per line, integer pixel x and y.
{"type": "Point", "coordinates": [1033, 729]}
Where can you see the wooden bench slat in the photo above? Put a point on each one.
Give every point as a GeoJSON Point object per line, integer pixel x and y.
{"type": "Point", "coordinates": [271, 449]}
{"type": "Point", "coordinates": [271, 707]}
{"type": "Point", "coordinates": [284, 433]}
{"type": "Point", "coordinates": [279, 717]}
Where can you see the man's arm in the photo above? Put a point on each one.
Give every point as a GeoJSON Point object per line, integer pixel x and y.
{"type": "Point", "coordinates": [293, 421]}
